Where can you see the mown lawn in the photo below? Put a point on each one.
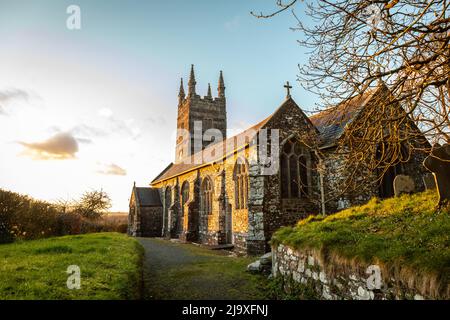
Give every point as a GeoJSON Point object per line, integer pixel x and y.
{"type": "Point", "coordinates": [110, 265]}
{"type": "Point", "coordinates": [407, 231]}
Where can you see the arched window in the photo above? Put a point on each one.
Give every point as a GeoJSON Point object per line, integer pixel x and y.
{"type": "Point", "coordinates": [207, 196]}
{"type": "Point", "coordinates": [184, 192]}
{"type": "Point", "coordinates": [240, 184]}
{"type": "Point", "coordinates": [294, 171]}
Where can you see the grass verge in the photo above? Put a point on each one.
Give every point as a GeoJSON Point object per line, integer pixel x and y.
{"type": "Point", "coordinates": [110, 264]}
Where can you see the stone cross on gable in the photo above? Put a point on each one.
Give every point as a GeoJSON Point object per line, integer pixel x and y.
{"type": "Point", "coordinates": [288, 88]}
{"type": "Point", "coordinates": [438, 162]}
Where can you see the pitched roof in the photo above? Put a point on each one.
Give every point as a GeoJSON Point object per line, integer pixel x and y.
{"type": "Point", "coordinates": [148, 197]}
{"type": "Point", "coordinates": [331, 122]}
{"type": "Point", "coordinates": [164, 171]}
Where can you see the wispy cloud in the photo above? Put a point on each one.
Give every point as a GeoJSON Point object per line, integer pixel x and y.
{"type": "Point", "coordinates": [60, 146]}
{"type": "Point", "coordinates": [85, 131]}
{"type": "Point", "coordinates": [7, 96]}
{"type": "Point", "coordinates": [84, 140]}
{"type": "Point", "coordinates": [116, 125]}
{"type": "Point", "coordinates": [108, 126]}
{"type": "Point", "coordinates": [112, 169]}
{"type": "Point", "coordinates": [10, 94]}
{"type": "Point", "coordinates": [158, 119]}
{"type": "Point", "coordinates": [124, 127]}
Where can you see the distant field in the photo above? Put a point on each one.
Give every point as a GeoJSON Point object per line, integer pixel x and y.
{"type": "Point", "coordinates": [110, 265]}
{"type": "Point", "coordinates": [118, 213]}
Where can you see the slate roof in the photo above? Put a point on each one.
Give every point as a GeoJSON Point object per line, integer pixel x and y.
{"type": "Point", "coordinates": [148, 197]}
{"type": "Point", "coordinates": [330, 124]}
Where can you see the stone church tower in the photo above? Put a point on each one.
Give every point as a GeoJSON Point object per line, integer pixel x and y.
{"type": "Point", "coordinates": [197, 114]}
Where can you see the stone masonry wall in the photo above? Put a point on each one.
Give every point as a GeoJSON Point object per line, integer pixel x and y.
{"type": "Point", "coordinates": [211, 228]}
{"type": "Point", "coordinates": [339, 281]}
{"type": "Point", "coordinates": [210, 111]}
{"type": "Point", "coordinates": [335, 175]}
{"type": "Point", "coordinates": [278, 212]}
{"type": "Point", "coordinates": [151, 221]}
{"type": "Point", "coordinates": [335, 184]}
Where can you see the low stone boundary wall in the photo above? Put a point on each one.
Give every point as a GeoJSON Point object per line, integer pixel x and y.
{"type": "Point", "coordinates": [338, 279]}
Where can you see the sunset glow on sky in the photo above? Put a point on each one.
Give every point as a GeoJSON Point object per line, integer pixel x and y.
{"type": "Point", "coordinates": [96, 108]}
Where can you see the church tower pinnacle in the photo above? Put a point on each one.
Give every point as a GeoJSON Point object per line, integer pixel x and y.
{"type": "Point", "coordinates": [192, 82]}
{"type": "Point", "coordinates": [221, 87]}
{"type": "Point", "coordinates": [181, 95]}
{"type": "Point", "coordinates": [209, 94]}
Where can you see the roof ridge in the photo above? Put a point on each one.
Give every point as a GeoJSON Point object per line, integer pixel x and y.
{"type": "Point", "coordinates": [162, 172]}
{"type": "Point", "coordinates": [330, 109]}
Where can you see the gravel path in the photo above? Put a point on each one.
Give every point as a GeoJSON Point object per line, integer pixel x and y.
{"type": "Point", "coordinates": [185, 271]}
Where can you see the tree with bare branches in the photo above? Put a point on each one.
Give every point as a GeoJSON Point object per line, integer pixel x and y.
{"type": "Point", "coordinates": [360, 47]}
{"type": "Point", "coordinates": [356, 44]}
{"type": "Point", "coordinates": [93, 204]}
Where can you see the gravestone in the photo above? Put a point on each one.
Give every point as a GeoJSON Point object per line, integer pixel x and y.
{"type": "Point", "coordinates": [429, 181]}
{"type": "Point", "coordinates": [438, 162]}
{"type": "Point", "coordinates": [403, 184]}
{"type": "Point", "coordinates": [254, 267]}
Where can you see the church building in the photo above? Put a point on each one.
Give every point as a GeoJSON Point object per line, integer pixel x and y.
{"type": "Point", "coordinates": [224, 192]}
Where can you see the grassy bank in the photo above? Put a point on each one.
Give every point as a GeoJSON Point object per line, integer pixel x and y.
{"type": "Point", "coordinates": [110, 265]}
{"type": "Point", "coordinates": [407, 231]}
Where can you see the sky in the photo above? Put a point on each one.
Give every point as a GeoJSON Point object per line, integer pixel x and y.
{"type": "Point", "coordinates": [95, 107]}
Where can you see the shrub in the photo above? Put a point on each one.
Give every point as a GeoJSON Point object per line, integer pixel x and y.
{"type": "Point", "coordinates": [24, 218]}
{"type": "Point", "coordinates": [5, 230]}
{"type": "Point", "coordinates": [104, 224]}
{"type": "Point", "coordinates": [122, 228]}
{"type": "Point", "coordinates": [115, 222]}
{"type": "Point", "coordinates": [69, 224]}
{"type": "Point", "coordinates": [9, 203]}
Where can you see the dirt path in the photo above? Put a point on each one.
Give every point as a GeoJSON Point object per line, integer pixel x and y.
{"type": "Point", "coordinates": [185, 271]}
